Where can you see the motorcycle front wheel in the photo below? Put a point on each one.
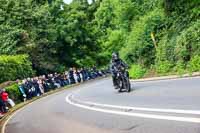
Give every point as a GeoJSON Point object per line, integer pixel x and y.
{"type": "Point", "coordinates": [127, 85]}
{"type": "Point", "coordinates": [120, 84]}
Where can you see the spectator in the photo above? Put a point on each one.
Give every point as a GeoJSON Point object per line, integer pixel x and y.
{"type": "Point", "coordinates": [4, 95]}
{"type": "Point", "coordinates": [77, 75]}
{"type": "Point", "coordinates": [21, 89]}
{"type": "Point", "coordinates": [39, 82]}
{"type": "Point", "coordinates": [83, 75]}
{"type": "Point", "coordinates": [71, 76]}
{"type": "Point", "coordinates": [45, 84]}
{"type": "Point", "coordinates": [36, 86]}
{"type": "Point", "coordinates": [4, 100]}
{"type": "Point", "coordinates": [2, 107]}
{"type": "Point", "coordinates": [66, 80]}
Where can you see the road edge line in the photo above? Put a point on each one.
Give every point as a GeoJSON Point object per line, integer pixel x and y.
{"type": "Point", "coordinates": [142, 115]}
{"type": "Point", "coordinates": [178, 111]}
{"type": "Point", "coordinates": [195, 74]}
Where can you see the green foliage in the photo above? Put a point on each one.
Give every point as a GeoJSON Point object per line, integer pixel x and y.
{"type": "Point", "coordinates": [163, 67]}
{"type": "Point", "coordinates": [165, 49]}
{"type": "Point", "coordinates": [187, 7]}
{"type": "Point", "coordinates": [174, 25]}
{"type": "Point", "coordinates": [180, 68]}
{"type": "Point", "coordinates": [139, 47]}
{"type": "Point", "coordinates": [56, 35]}
{"type": "Point", "coordinates": [194, 64]}
{"type": "Point", "coordinates": [14, 93]}
{"type": "Point", "coordinates": [86, 62]}
{"type": "Point", "coordinates": [60, 69]}
{"type": "Point", "coordinates": [115, 41]}
{"type": "Point", "coordinates": [14, 67]}
{"type": "Point", "coordinates": [52, 36]}
{"type": "Point", "coordinates": [136, 71]}
{"type": "Point", "coordinates": [10, 39]}
{"type": "Point", "coordinates": [113, 23]}
{"type": "Point", "coordinates": [188, 42]}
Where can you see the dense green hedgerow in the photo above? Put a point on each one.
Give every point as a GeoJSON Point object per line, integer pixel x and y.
{"type": "Point", "coordinates": [180, 68]}
{"type": "Point", "coordinates": [136, 72]}
{"type": "Point", "coordinates": [139, 47]}
{"type": "Point", "coordinates": [163, 67]}
{"type": "Point", "coordinates": [14, 67]}
{"type": "Point", "coordinates": [188, 43]}
{"type": "Point", "coordinates": [14, 93]}
{"type": "Point", "coordinates": [194, 64]}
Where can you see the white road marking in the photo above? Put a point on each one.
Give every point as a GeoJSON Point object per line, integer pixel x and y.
{"type": "Point", "coordinates": [178, 111]}
{"type": "Point", "coordinates": [143, 115]}
{"type": "Point", "coordinates": [167, 78]}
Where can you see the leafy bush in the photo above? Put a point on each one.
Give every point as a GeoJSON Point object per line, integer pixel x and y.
{"type": "Point", "coordinates": [180, 68]}
{"type": "Point", "coordinates": [11, 40]}
{"type": "Point", "coordinates": [139, 47]}
{"type": "Point", "coordinates": [163, 67]}
{"type": "Point", "coordinates": [14, 93]}
{"type": "Point", "coordinates": [115, 41]}
{"type": "Point", "coordinates": [166, 46]}
{"type": "Point", "coordinates": [60, 68]}
{"type": "Point", "coordinates": [188, 43]}
{"type": "Point", "coordinates": [86, 62]}
{"type": "Point", "coordinates": [136, 72]}
{"type": "Point", "coordinates": [14, 67]}
{"type": "Point", "coordinates": [194, 64]}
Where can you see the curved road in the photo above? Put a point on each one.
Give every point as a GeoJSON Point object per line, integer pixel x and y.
{"type": "Point", "coordinates": [167, 106]}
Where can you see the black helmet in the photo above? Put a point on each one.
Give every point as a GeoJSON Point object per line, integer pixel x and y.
{"type": "Point", "coordinates": [115, 56]}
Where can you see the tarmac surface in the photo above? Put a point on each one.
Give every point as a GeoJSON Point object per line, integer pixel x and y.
{"type": "Point", "coordinates": [161, 106]}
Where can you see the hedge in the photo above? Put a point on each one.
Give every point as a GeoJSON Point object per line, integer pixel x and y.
{"type": "Point", "coordinates": [14, 67]}
{"type": "Point", "coordinates": [194, 64]}
{"type": "Point", "coordinates": [136, 71]}
{"type": "Point", "coordinates": [14, 93]}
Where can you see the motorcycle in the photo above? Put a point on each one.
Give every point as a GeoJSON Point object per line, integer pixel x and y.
{"type": "Point", "coordinates": [123, 80]}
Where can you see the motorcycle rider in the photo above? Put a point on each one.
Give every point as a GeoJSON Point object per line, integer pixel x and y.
{"type": "Point", "coordinates": [116, 63]}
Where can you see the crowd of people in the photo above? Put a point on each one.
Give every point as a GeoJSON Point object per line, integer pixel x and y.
{"type": "Point", "coordinates": [36, 86]}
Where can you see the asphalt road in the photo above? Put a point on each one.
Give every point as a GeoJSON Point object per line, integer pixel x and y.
{"type": "Point", "coordinates": [167, 106]}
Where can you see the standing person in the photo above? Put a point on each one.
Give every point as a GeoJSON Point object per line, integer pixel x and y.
{"type": "Point", "coordinates": [27, 88]}
{"type": "Point", "coordinates": [22, 89]}
{"type": "Point", "coordinates": [50, 81]}
{"type": "Point", "coordinates": [35, 87]}
{"type": "Point", "coordinates": [71, 76]}
{"type": "Point", "coordinates": [75, 75]}
{"type": "Point", "coordinates": [89, 75]}
{"type": "Point", "coordinates": [78, 76]}
{"type": "Point", "coordinates": [4, 100]}
{"type": "Point", "coordinates": [30, 88]}
{"type": "Point", "coordinates": [4, 96]}
{"type": "Point", "coordinates": [45, 83]}
{"type": "Point", "coordinates": [40, 85]}
{"type": "Point", "coordinates": [95, 72]}
{"type": "Point", "coordinates": [2, 105]}
{"type": "Point", "coordinates": [83, 75]}
{"type": "Point", "coordinates": [66, 80]}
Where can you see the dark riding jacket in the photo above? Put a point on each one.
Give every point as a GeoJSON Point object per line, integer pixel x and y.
{"type": "Point", "coordinates": [115, 64]}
